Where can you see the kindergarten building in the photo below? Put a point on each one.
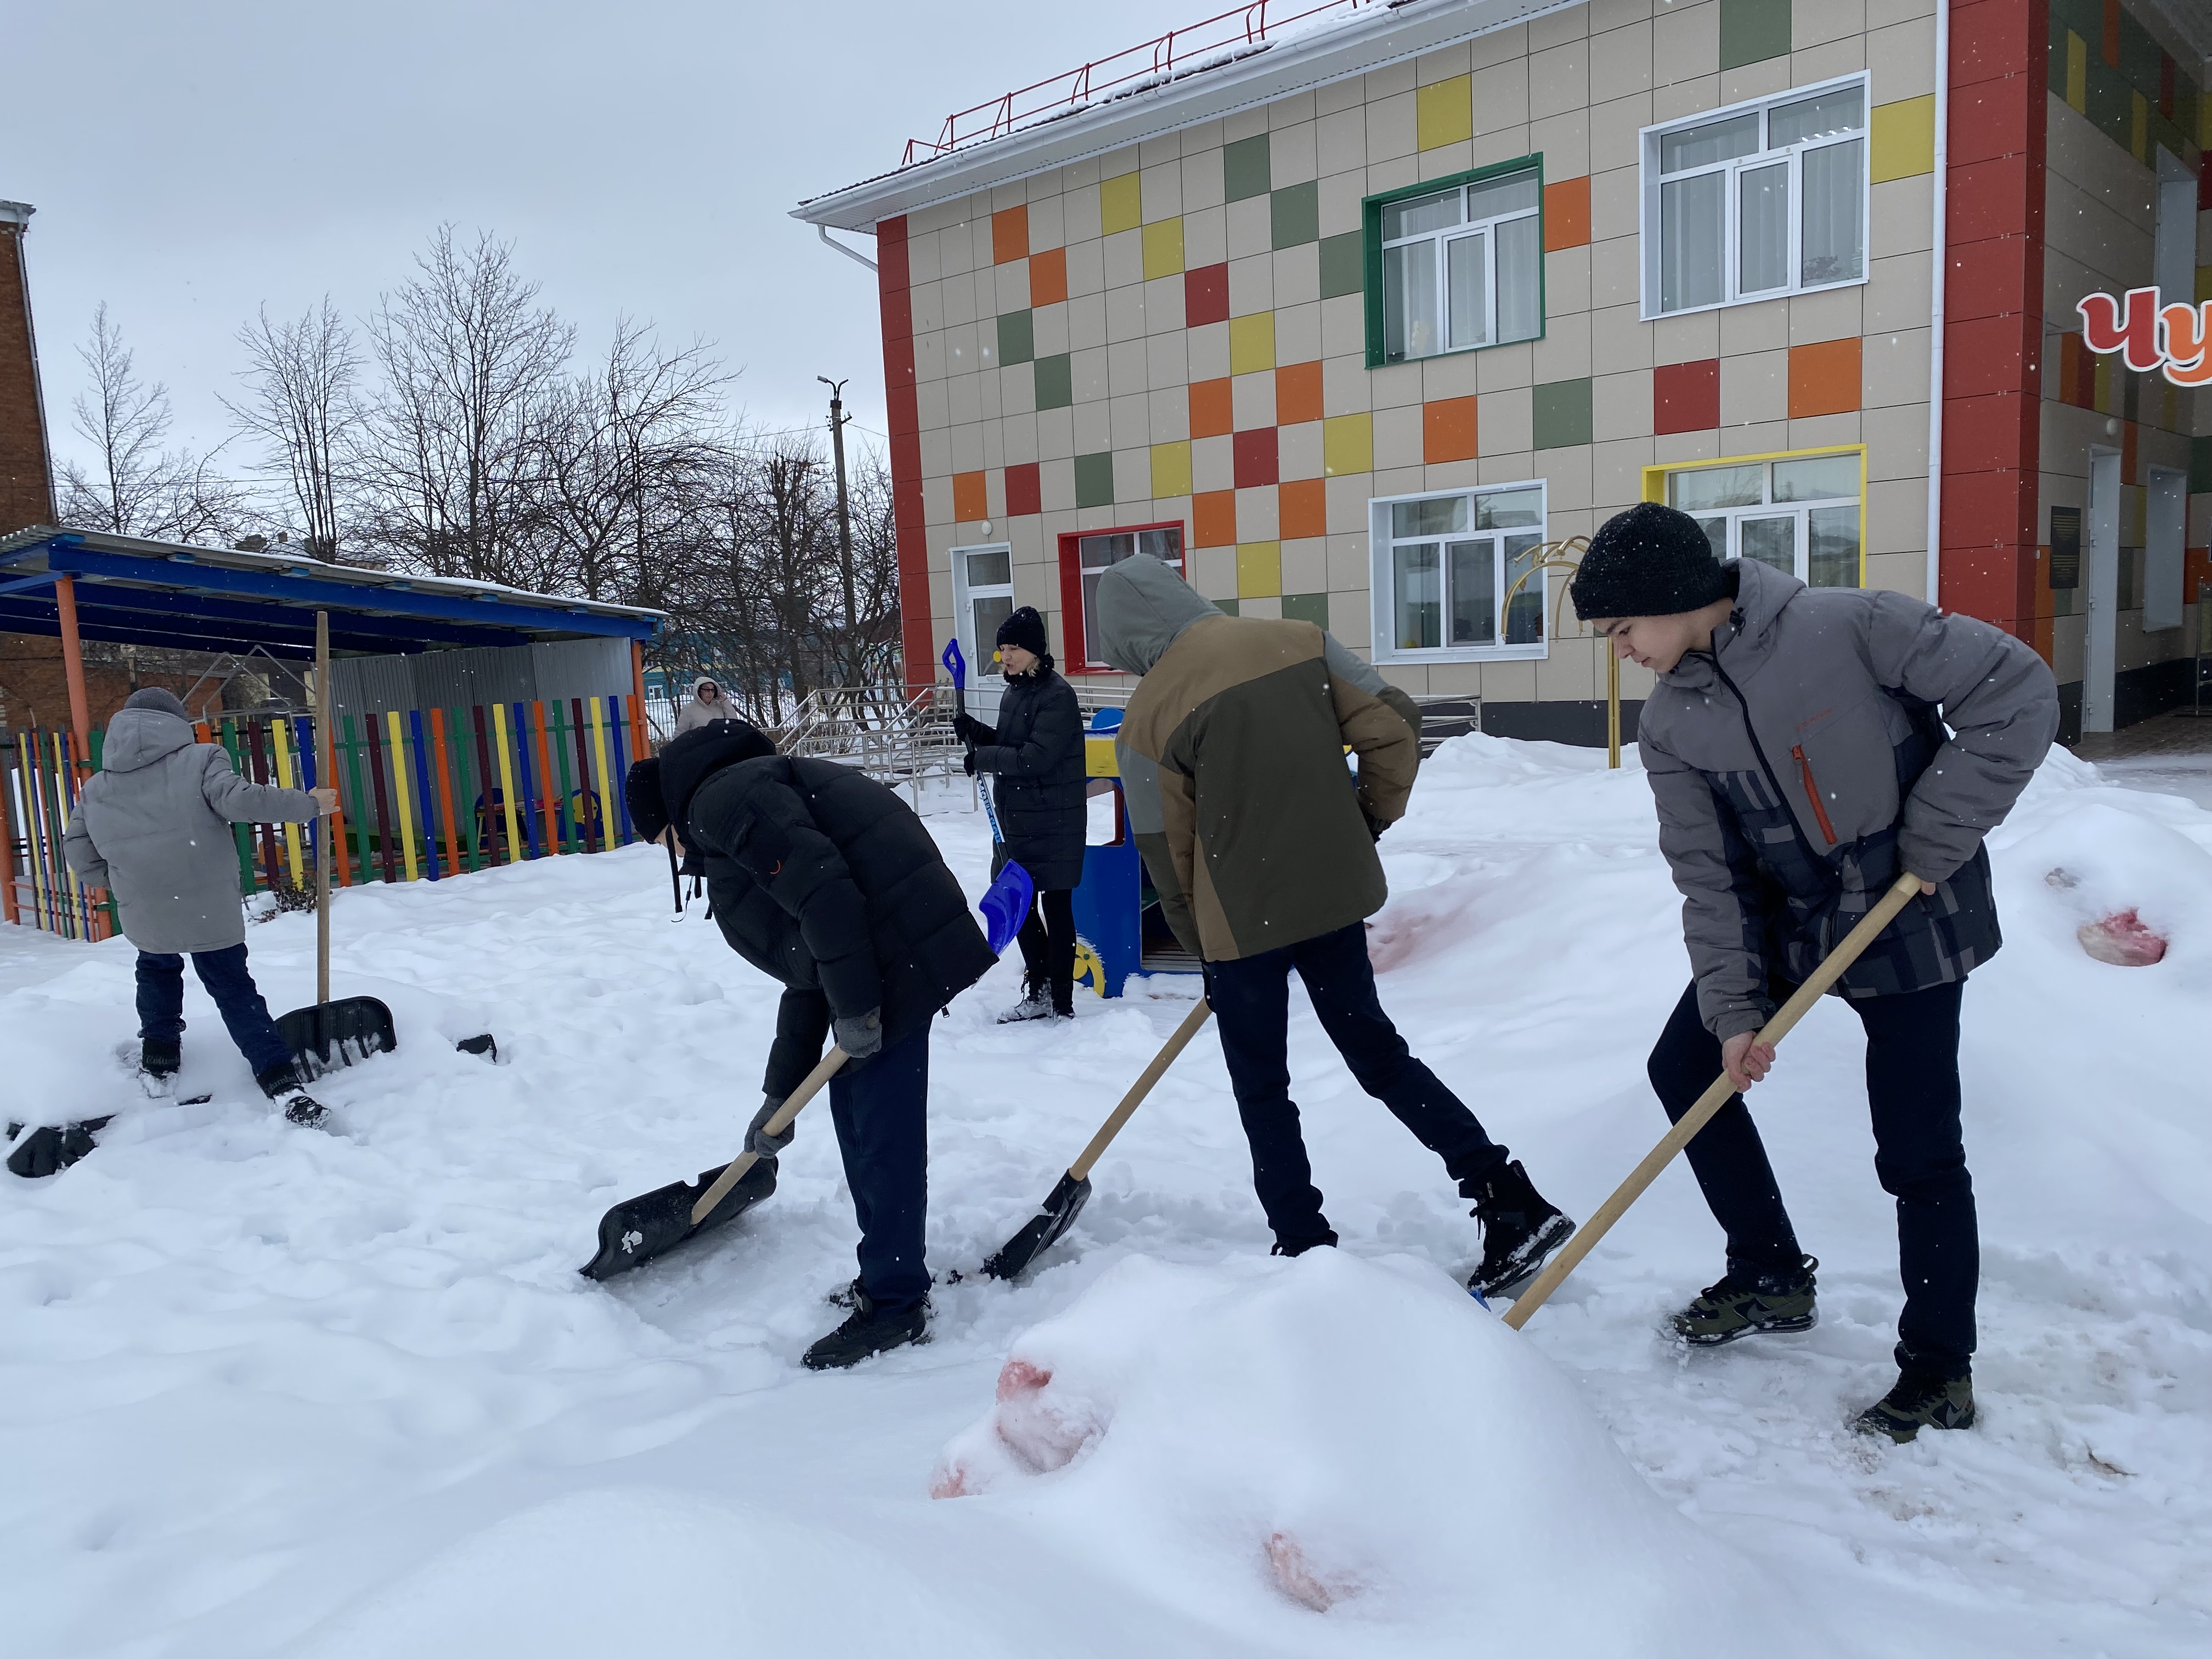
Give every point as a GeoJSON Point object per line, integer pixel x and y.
{"type": "Point", "coordinates": [1346, 309]}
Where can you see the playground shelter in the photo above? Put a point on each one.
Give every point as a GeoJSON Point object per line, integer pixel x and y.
{"type": "Point", "coordinates": [434, 779]}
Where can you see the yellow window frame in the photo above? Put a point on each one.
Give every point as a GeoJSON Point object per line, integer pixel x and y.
{"type": "Point", "coordinates": [1655, 477]}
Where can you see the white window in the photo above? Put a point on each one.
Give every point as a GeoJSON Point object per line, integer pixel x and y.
{"type": "Point", "coordinates": [1455, 576]}
{"type": "Point", "coordinates": [1760, 199]}
{"type": "Point", "coordinates": [1463, 267]}
{"type": "Point", "coordinates": [1800, 516]}
{"type": "Point", "coordinates": [2174, 248]}
{"type": "Point", "coordinates": [982, 597]}
{"type": "Point", "coordinates": [1094, 555]}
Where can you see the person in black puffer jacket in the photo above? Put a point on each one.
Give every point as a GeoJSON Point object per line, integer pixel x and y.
{"type": "Point", "coordinates": [825, 880]}
{"type": "Point", "coordinates": [1036, 754]}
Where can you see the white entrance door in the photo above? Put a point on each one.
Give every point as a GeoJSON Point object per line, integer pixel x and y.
{"type": "Point", "coordinates": [982, 597]}
{"type": "Point", "coordinates": [2166, 521]}
{"type": "Point", "coordinates": [2102, 584]}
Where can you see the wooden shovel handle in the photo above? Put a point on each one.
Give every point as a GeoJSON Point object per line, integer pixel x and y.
{"type": "Point", "coordinates": [743, 1163]}
{"type": "Point", "coordinates": [1193, 1023]}
{"type": "Point", "coordinates": [1587, 1236]}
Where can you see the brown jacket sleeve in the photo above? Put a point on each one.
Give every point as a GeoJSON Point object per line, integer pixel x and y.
{"type": "Point", "coordinates": [1382, 726]}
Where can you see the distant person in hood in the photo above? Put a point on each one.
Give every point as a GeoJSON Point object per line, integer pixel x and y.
{"type": "Point", "coordinates": [154, 825]}
{"type": "Point", "coordinates": [708, 703]}
{"type": "Point", "coordinates": [1260, 843]}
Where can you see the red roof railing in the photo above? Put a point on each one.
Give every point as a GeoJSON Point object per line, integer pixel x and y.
{"type": "Point", "coordinates": [1179, 52]}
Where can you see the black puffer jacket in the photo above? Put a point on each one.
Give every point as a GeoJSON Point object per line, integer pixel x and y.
{"type": "Point", "coordinates": [1038, 762]}
{"type": "Point", "coordinates": [827, 881]}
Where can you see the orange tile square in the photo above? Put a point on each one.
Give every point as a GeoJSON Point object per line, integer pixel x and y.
{"type": "Point", "coordinates": [1297, 393]}
{"type": "Point", "coordinates": [1048, 277]}
{"type": "Point", "coordinates": [1447, 430]}
{"type": "Point", "coordinates": [1010, 234]}
{"type": "Point", "coordinates": [1213, 518]}
{"type": "Point", "coordinates": [1302, 509]}
{"type": "Point", "coordinates": [1566, 214]}
{"type": "Point", "coordinates": [971, 502]}
{"type": "Point", "coordinates": [1824, 378]}
{"type": "Point", "coordinates": [1212, 413]}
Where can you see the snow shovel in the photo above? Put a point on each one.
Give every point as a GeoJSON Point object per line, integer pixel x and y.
{"type": "Point", "coordinates": [1065, 1201]}
{"type": "Point", "coordinates": [1587, 1236]}
{"type": "Point", "coordinates": [956, 665]}
{"type": "Point", "coordinates": [330, 1035]}
{"type": "Point", "coordinates": [642, 1228]}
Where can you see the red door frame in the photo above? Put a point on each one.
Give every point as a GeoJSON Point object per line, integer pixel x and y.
{"type": "Point", "coordinates": [1071, 586]}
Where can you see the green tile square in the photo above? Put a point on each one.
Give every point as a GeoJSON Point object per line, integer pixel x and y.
{"type": "Point", "coordinates": [1016, 337]}
{"type": "Point", "coordinates": [1055, 382]}
{"type": "Point", "coordinates": [1307, 607]}
{"type": "Point", "coordinates": [1094, 479]}
{"type": "Point", "coordinates": [1753, 31]}
{"type": "Point", "coordinates": [2200, 466]}
{"type": "Point", "coordinates": [1561, 414]}
{"type": "Point", "coordinates": [1244, 168]}
{"type": "Point", "coordinates": [1343, 265]}
{"type": "Point", "coordinates": [1294, 213]}
{"type": "Point", "coordinates": [1226, 607]}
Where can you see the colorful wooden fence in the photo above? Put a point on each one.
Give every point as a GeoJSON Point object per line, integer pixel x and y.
{"type": "Point", "coordinates": [422, 795]}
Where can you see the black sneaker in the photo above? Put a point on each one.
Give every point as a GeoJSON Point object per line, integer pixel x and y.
{"type": "Point", "coordinates": [283, 1082]}
{"type": "Point", "coordinates": [868, 1331]}
{"type": "Point", "coordinates": [1920, 1400]}
{"type": "Point", "coordinates": [1520, 1231]}
{"type": "Point", "coordinates": [1762, 1302]}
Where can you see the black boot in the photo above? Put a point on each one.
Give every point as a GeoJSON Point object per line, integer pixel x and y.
{"type": "Point", "coordinates": [51, 1148]}
{"type": "Point", "coordinates": [160, 1057]}
{"type": "Point", "coordinates": [869, 1330]}
{"type": "Point", "coordinates": [1741, 1303]}
{"type": "Point", "coordinates": [1300, 1246]}
{"type": "Point", "coordinates": [283, 1082]}
{"type": "Point", "coordinates": [1520, 1231]}
{"type": "Point", "coordinates": [1921, 1400]}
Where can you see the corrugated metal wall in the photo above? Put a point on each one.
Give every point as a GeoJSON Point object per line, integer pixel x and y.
{"type": "Point", "coordinates": [462, 679]}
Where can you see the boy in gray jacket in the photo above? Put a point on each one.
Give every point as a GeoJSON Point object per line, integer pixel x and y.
{"type": "Point", "coordinates": [154, 823]}
{"type": "Point", "coordinates": [1800, 763]}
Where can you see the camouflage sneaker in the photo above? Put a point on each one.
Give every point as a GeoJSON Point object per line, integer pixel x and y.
{"type": "Point", "coordinates": [1733, 1308]}
{"type": "Point", "coordinates": [1919, 1402]}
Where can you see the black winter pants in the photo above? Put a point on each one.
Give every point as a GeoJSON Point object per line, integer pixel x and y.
{"type": "Point", "coordinates": [881, 1108]}
{"type": "Point", "coordinates": [230, 982]}
{"type": "Point", "coordinates": [1920, 1158]}
{"type": "Point", "coordinates": [1251, 999]}
{"type": "Point", "coordinates": [1048, 942]}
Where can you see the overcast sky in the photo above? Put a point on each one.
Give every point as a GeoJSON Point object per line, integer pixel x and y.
{"type": "Point", "coordinates": [190, 164]}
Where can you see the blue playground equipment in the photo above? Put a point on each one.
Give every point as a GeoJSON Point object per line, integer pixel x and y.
{"type": "Point", "coordinates": [1119, 929]}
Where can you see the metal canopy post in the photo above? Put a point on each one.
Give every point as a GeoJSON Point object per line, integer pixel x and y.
{"type": "Point", "coordinates": [73, 671]}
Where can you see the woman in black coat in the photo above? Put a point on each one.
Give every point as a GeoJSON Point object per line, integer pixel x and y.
{"type": "Point", "coordinates": [1036, 754]}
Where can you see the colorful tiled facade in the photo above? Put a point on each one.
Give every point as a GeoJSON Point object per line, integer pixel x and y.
{"type": "Point", "coordinates": [1236, 339]}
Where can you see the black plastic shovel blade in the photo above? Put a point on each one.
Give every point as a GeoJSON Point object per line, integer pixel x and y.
{"type": "Point", "coordinates": [639, 1228]}
{"type": "Point", "coordinates": [330, 1035]}
{"type": "Point", "coordinates": [1060, 1208]}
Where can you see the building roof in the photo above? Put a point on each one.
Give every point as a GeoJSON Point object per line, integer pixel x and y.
{"type": "Point", "coordinates": [180, 597]}
{"type": "Point", "coordinates": [1362, 38]}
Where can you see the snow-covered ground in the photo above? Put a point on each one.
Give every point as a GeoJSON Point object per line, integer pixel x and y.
{"type": "Point", "coordinates": [270, 1391]}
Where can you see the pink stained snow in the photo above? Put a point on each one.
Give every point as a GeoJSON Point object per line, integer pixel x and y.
{"type": "Point", "coordinates": [275, 1392]}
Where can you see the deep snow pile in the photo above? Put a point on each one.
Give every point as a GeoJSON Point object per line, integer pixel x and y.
{"type": "Point", "coordinates": [274, 1391]}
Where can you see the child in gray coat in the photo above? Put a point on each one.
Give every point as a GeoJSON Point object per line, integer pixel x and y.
{"type": "Point", "coordinates": [153, 824]}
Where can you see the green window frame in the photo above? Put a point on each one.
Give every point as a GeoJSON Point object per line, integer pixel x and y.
{"type": "Point", "coordinates": [1484, 231]}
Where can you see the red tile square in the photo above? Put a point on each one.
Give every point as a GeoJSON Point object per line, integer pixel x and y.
{"type": "Point", "coordinates": [1989, 121]}
{"type": "Point", "coordinates": [1992, 37]}
{"type": "Point", "coordinates": [1010, 234]}
{"type": "Point", "coordinates": [1989, 198]}
{"type": "Point", "coordinates": [1206, 295]}
{"type": "Point", "coordinates": [1302, 509]}
{"type": "Point", "coordinates": [1686, 397]}
{"type": "Point", "coordinates": [1255, 454]}
{"type": "Point", "coordinates": [903, 407]}
{"type": "Point", "coordinates": [1987, 278]}
{"type": "Point", "coordinates": [1448, 430]}
{"type": "Point", "coordinates": [1985, 354]}
{"type": "Point", "coordinates": [1212, 411]}
{"type": "Point", "coordinates": [1297, 393]}
{"type": "Point", "coordinates": [897, 308]}
{"type": "Point", "coordinates": [1024, 490]}
{"type": "Point", "coordinates": [1048, 277]}
{"type": "Point", "coordinates": [1213, 518]}
{"type": "Point", "coordinates": [1567, 214]}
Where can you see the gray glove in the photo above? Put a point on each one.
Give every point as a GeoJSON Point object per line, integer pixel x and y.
{"type": "Point", "coordinates": [758, 1140]}
{"type": "Point", "coordinates": [860, 1035]}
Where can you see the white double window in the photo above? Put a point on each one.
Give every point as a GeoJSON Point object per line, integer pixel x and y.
{"type": "Point", "coordinates": [1454, 575]}
{"type": "Point", "coordinates": [1801, 515]}
{"type": "Point", "coordinates": [1761, 199]}
{"type": "Point", "coordinates": [1463, 267]}
{"type": "Point", "coordinates": [1096, 555]}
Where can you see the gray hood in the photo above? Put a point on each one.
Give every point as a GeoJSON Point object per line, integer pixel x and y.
{"type": "Point", "coordinates": [1142, 606]}
{"type": "Point", "coordinates": [137, 737]}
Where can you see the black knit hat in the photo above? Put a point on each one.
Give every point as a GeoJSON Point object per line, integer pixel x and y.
{"type": "Point", "coordinates": [1651, 561]}
{"type": "Point", "coordinates": [658, 789]}
{"type": "Point", "coordinates": [1025, 629]}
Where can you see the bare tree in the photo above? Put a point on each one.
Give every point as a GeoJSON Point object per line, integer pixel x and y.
{"type": "Point", "coordinates": [134, 487]}
{"type": "Point", "coordinates": [301, 379]}
{"type": "Point", "coordinates": [452, 443]}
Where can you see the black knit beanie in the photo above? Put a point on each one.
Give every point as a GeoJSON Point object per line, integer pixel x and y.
{"type": "Point", "coordinates": [659, 788]}
{"type": "Point", "coordinates": [1025, 629]}
{"type": "Point", "coordinates": [1651, 561]}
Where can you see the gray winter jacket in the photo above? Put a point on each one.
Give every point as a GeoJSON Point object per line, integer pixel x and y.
{"type": "Point", "coordinates": [1800, 766]}
{"type": "Point", "coordinates": [699, 712]}
{"type": "Point", "coordinates": [152, 824]}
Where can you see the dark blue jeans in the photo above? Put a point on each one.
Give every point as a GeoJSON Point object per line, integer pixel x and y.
{"type": "Point", "coordinates": [1252, 999]}
{"type": "Point", "coordinates": [1920, 1158]}
{"type": "Point", "coordinates": [161, 1002]}
{"type": "Point", "coordinates": [881, 1109]}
